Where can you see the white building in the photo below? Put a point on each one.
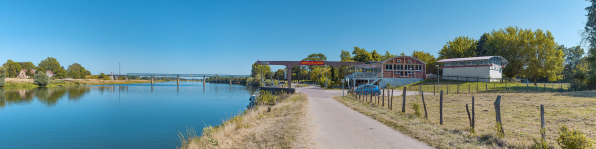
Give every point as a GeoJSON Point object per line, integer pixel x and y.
{"type": "Point", "coordinates": [482, 69]}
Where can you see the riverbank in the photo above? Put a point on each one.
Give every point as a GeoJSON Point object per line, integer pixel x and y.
{"type": "Point", "coordinates": [18, 83]}
{"type": "Point", "coordinates": [520, 115]}
{"type": "Point", "coordinates": [282, 125]}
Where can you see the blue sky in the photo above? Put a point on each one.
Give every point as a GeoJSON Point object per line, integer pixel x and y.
{"type": "Point", "coordinates": [226, 37]}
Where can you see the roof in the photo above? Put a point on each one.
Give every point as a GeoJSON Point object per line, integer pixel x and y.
{"type": "Point", "coordinates": [471, 59]}
{"type": "Point", "coordinates": [49, 72]}
{"type": "Point", "coordinates": [401, 56]}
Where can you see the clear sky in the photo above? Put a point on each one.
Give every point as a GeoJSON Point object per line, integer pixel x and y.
{"type": "Point", "coordinates": [227, 37]}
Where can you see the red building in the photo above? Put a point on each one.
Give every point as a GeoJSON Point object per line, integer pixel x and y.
{"type": "Point", "coordinates": [399, 70]}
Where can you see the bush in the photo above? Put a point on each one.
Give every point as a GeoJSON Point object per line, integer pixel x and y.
{"type": "Point", "coordinates": [41, 79]}
{"type": "Point", "coordinates": [2, 76]}
{"type": "Point", "coordinates": [266, 97]}
{"type": "Point", "coordinates": [573, 139]}
{"type": "Point", "coordinates": [540, 145]}
{"type": "Point", "coordinates": [416, 108]}
{"type": "Point", "coordinates": [321, 81]}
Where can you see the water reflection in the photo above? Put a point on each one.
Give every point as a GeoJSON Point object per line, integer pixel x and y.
{"type": "Point", "coordinates": [49, 96]}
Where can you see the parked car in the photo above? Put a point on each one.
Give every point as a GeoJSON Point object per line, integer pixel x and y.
{"type": "Point", "coordinates": [366, 89]}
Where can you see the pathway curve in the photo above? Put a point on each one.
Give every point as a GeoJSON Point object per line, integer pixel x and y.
{"type": "Point", "coordinates": [336, 126]}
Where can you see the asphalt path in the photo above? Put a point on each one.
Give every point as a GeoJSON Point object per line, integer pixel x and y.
{"type": "Point", "coordinates": [333, 125]}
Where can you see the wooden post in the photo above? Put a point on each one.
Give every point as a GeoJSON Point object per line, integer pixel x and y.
{"type": "Point", "coordinates": [391, 102]}
{"type": "Point", "coordinates": [441, 107]}
{"type": "Point", "coordinates": [542, 123]}
{"type": "Point", "coordinates": [403, 106]}
{"type": "Point", "coordinates": [473, 115]}
{"type": "Point", "coordinates": [448, 88]}
{"type": "Point", "coordinates": [383, 104]}
{"type": "Point", "coordinates": [536, 88]}
{"type": "Point", "coordinates": [469, 89]}
{"type": "Point", "coordinates": [469, 117]}
{"type": "Point", "coordinates": [498, 113]}
{"type": "Point", "coordinates": [434, 88]}
{"type": "Point", "coordinates": [457, 92]}
{"type": "Point", "coordinates": [371, 94]}
{"type": "Point", "coordinates": [424, 105]}
{"type": "Point", "coordinates": [485, 88]}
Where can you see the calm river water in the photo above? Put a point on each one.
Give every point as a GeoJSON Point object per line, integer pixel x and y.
{"type": "Point", "coordinates": [120, 116]}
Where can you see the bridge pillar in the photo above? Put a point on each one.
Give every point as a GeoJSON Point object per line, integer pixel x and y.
{"type": "Point", "coordinates": [203, 80]}
{"type": "Point", "coordinates": [178, 80]}
{"type": "Point", "coordinates": [151, 81]}
{"type": "Point", "coordinates": [289, 74]}
{"type": "Point", "coordinates": [230, 80]}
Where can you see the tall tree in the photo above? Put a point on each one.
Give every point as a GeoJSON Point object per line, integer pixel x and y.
{"type": "Point", "coordinates": [361, 55]}
{"type": "Point", "coordinates": [60, 73]}
{"type": "Point", "coordinates": [512, 44]}
{"type": "Point", "coordinates": [279, 74]}
{"type": "Point", "coordinates": [480, 51]}
{"type": "Point", "coordinates": [12, 68]}
{"type": "Point", "coordinates": [427, 58]}
{"type": "Point", "coordinates": [462, 46]}
{"type": "Point", "coordinates": [589, 35]}
{"type": "Point", "coordinates": [375, 55]}
{"type": "Point", "coordinates": [50, 64]}
{"type": "Point", "coordinates": [545, 60]}
{"type": "Point", "coordinates": [573, 56]}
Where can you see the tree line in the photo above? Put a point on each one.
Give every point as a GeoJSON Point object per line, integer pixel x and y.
{"type": "Point", "coordinates": [75, 71]}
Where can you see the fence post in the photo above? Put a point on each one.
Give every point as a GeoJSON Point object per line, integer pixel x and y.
{"type": "Point", "coordinates": [542, 123]}
{"type": "Point", "coordinates": [434, 88]}
{"type": "Point", "coordinates": [383, 104]}
{"type": "Point", "coordinates": [371, 94]}
{"type": "Point", "coordinates": [486, 88]}
{"type": "Point", "coordinates": [391, 103]}
{"type": "Point", "coordinates": [473, 115]}
{"type": "Point", "coordinates": [469, 117]}
{"type": "Point", "coordinates": [441, 107]}
{"type": "Point", "coordinates": [424, 105]}
{"type": "Point", "coordinates": [457, 92]}
{"type": "Point", "coordinates": [403, 106]}
{"type": "Point", "coordinates": [498, 114]}
{"type": "Point", "coordinates": [448, 88]}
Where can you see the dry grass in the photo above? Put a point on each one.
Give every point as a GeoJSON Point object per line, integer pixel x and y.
{"type": "Point", "coordinates": [483, 87]}
{"type": "Point", "coordinates": [520, 115]}
{"type": "Point", "coordinates": [278, 126]}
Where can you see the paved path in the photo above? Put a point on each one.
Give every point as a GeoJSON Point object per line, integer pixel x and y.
{"type": "Point", "coordinates": [336, 126]}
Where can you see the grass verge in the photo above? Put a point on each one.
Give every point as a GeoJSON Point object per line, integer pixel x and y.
{"type": "Point", "coordinates": [483, 87]}
{"type": "Point", "coordinates": [520, 114]}
{"type": "Point", "coordinates": [279, 126]}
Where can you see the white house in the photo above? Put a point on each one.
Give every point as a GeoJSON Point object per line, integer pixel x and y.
{"type": "Point", "coordinates": [482, 69]}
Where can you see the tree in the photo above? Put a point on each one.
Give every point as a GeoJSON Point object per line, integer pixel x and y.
{"type": "Point", "coordinates": [258, 69]}
{"type": "Point", "coordinates": [427, 58]}
{"type": "Point", "coordinates": [41, 79]}
{"type": "Point", "coordinates": [480, 51]}
{"type": "Point", "coordinates": [589, 36]}
{"type": "Point", "coordinates": [50, 64]}
{"type": "Point", "coordinates": [375, 56]}
{"type": "Point", "coordinates": [40, 69]}
{"type": "Point", "coordinates": [573, 56]}
{"type": "Point", "coordinates": [388, 55]}
{"type": "Point", "coordinates": [102, 75]}
{"type": "Point", "coordinates": [29, 66]}
{"type": "Point", "coordinates": [545, 60]}
{"type": "Point", "coordinates": [361, 55]}
{"type": "Point", "coordinates": [315, 57]}
{"type": "Point", "coordinates": [462, 46]}
{"type": "Point", "coordinates": [279, 74]}
{"type": "Point", "coordinates": [60, 73]}
{"type": "Point", "coordinates": [2, 76]}
{"type": "Point", "coordinates": [402, 54]}
{"type": "Point", "coordinates": [512, 44]}
{"type": "Point", "coordinates": [346, 56]}
{"type": "Point", "coordinates": [12, 68]}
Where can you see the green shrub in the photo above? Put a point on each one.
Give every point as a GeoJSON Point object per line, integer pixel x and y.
{"type": "Point", "coordinates": [573, 139]}
{"type": "Point", "coordinates": [321, 81]}
{"type": "Point", "coordinates": [41, 79]}
{"type": "Point", "coordinates": [2, 76]}
{"type": "Point", "coordinates": [416, 108]}
{"type": "Point", "coordinates": [266, 97]}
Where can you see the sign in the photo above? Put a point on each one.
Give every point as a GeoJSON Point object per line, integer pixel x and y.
{"type": "Point", "coordinates": [312, 62]}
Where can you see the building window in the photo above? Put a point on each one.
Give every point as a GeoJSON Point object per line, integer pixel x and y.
{"type": "Point", "coordinates": [401, 73]}
{"type": "Point", "coordinates": [409, 61]}
{"type": "Point", "coordinates": [399, 61]}
{"type": "Point", "coordinates": [399, 67]}
{"type": "Point", "coordinates": [468, 63]}
{"type": "Point", "coordinates": [388, 67]}
{"type": "Point", "coordinates": [448, 64]}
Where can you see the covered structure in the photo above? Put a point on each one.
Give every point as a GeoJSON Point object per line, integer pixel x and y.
{"type": "Point", "coordinates": [478, 69]}
{"type": "Point", "coordinates": [395, 71]}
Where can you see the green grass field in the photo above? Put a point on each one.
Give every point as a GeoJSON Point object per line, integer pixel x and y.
{"type": "Point", "coordinates": [462, 87]}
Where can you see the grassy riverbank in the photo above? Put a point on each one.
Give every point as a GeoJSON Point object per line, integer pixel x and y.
{"type": "Point", "coordinates": [24, 83]}
{"type": "Point", "coordinates": [279, 126]}
{"type": "Point", "coordinates": [520, 115]}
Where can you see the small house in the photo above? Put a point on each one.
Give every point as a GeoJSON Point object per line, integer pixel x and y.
{"type": "Point", "coordinates": [49, 73]}
{"type": "Point", "coordinates": [22, 74]}
{"type": "Point", "coordinates": [478, 69]}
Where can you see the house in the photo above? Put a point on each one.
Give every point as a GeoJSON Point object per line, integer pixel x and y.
{"type": "Point", "coordinates": [49, 73]}
{"type": "Point", "coordinates": [478, 69]}
{"type": "Point", "coordinates": [22, 74]}
{"type": "Point", "coordinates": [396, 71]}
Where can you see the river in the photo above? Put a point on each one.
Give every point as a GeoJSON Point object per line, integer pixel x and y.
{"type": "Point", "coordinates": [114, 116]}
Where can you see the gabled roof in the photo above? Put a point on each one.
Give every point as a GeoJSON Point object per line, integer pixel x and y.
{"type": "Point", "coordinates": [471, 59]}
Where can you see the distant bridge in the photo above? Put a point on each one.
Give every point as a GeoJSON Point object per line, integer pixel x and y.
{"type": "Point", "coordinates": [180, 75]}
